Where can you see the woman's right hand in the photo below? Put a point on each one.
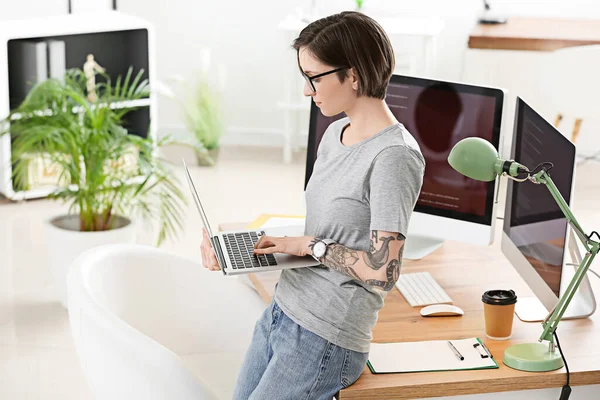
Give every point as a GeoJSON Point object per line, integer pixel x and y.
{"type": "Point", "coordinates": [209, 260]}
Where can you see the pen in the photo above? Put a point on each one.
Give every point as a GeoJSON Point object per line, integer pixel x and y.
{"type": "Point", "coordinates": [456, 353]}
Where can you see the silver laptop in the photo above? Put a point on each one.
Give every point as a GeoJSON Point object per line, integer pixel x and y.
{"type": "Point", "coordinates": [234, 249]}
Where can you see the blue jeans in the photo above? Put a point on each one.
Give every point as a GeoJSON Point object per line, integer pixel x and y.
{"type": "Point", "coordinates": [286, 361]}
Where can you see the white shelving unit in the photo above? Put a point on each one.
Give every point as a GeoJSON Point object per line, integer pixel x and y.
{"type": "Point", "coordinates": [118, 41]}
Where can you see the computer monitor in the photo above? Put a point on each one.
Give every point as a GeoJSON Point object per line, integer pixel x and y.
{"type": "Point", "coordinates": [535, 236]}
{"type": "Point", "coordinates": [438, 114]}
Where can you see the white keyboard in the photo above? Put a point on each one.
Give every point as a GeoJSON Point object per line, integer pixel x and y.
{"type": "Point", "coordinates": [420, 289]}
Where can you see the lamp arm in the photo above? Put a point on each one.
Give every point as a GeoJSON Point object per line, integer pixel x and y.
{"type": "Point", "coordinates": [544, 177]}
{"type": "Point", "coordinates": [592, 248]}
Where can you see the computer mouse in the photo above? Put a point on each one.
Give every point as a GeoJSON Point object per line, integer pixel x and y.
{"type": "Point", "coordinates": [441, 310]}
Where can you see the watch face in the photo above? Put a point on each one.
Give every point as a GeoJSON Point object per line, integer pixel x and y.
{"type": "Point", "coordinates": [319, 249]}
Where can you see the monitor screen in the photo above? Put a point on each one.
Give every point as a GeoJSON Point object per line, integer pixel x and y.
{"type": "Point", "coordinates": [438, 114]}
{"type": "Point", "coordinates": [534, 222]}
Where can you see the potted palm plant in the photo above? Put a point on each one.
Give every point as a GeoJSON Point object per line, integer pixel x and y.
{"type": "Point", "coordinates": [201, 112]}
{"type": "Point", "coordinates": [202, 116]}
{"type": "Point", "coordinates": [107, 176]}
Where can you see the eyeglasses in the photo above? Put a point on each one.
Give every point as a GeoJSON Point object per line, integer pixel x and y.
{"type": "Point", "coordinates": [309, 79]}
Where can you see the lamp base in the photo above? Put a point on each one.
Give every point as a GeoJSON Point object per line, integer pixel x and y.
{"type": "Point", "coordinates": [488, 18]}
{"type": "Point", "coordinates": [532, 357]}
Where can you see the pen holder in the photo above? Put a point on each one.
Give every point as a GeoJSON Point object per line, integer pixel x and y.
{"type": "Point", "coordinates": [499, 311]}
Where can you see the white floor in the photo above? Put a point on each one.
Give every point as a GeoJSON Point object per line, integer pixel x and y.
{"type": "Point", "coordinates": [37, 357]}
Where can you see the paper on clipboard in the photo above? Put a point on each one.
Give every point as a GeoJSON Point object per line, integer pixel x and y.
{"type": "Point", "coordinates": [427, 356]}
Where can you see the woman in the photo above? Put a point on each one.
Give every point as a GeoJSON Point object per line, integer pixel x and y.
{"type": "Point", "coordinates": [313, 340]}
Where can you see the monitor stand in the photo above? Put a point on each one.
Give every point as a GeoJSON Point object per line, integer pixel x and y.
{"type": "Point", "coordinates": [531, 309]}
{"type": "Point", "coordinates": [582, 305]}
{"type": "Point", "coordinates": [417, 247]}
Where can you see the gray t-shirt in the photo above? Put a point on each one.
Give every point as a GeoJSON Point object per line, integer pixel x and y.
{"type": "Point", "coordinates": [371, 185]}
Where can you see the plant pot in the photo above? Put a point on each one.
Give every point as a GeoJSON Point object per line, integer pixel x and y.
{"type": "Point", "coordinates": [207, 158]}
{"type": "Point", "coordinates": [66, 242]}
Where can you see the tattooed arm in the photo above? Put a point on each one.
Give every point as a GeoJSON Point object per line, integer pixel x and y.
{"type": "Point", "coordinates": [379, 267]}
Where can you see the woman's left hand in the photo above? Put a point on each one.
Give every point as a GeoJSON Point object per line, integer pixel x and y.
{"type": "Point", "coordinates": [296, 246]}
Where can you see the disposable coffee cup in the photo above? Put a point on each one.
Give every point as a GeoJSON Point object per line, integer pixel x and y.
{"type": "Point", "coordinates": [499, 310]}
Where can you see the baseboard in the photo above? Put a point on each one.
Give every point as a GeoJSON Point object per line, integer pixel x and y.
{"type": "Point", "coordinates": [4, 199]}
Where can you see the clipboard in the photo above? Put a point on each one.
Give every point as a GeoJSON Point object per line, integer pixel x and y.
{"type": "Point", "coordinates": [429, 356]}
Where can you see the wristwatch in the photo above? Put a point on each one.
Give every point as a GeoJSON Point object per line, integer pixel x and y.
{"type": "Point", "coordinates": [320, 248]}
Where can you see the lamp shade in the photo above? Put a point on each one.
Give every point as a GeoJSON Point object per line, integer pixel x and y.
{"type": "Point", "coordinates": [475, 158]}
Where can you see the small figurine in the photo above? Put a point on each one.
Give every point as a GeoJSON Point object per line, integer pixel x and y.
{"type": "Point", "coordinates": [89, 69]}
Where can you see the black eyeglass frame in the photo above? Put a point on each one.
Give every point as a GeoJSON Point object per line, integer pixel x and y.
{"type": "Point", "coordinates": [309, 79]}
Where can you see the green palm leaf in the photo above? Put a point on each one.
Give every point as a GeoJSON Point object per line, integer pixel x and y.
{"type": "Point", "coordinates": [104, 171]}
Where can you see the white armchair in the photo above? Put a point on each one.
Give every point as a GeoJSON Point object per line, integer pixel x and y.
{"type": "Point", "coordinates": [148, 324]}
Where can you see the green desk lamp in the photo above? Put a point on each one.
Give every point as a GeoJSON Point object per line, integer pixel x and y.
{"type": "Point", "coordinates": [476, 158]}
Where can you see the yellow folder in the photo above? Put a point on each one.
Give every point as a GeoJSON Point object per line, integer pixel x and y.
{"type": "Point", "coordinates": [264, 218]}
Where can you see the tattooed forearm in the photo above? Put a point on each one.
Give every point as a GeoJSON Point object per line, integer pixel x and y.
{"type": "Point", "coordinates": [342, 259]}
{"type": "Point", "coordinates": [374, 258]}
{"type": "Point", "coordinates": [392, 274]}
{"type": "Point", "coordinates": [366, 266]}
{"type": "Point", "coordinates": [401, 251]}
{"type": "Point", "coordinates": [392, 271]}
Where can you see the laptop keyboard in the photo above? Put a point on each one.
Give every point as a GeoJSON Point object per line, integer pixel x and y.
{"type": "Point", "coordinates": [240, 248]}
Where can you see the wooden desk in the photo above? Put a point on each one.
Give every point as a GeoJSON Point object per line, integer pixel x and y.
{"type": "Point", "coordinates": [465, 272]}
{"type": "Point", "coordinates": [537, 34]}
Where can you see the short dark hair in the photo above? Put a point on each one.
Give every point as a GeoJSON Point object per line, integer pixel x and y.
{"type": "Point", "coordinates": [353, 40]}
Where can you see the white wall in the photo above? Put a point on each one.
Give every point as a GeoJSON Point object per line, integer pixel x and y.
{"type": "Point", "coordinates": [245, 45]}
{"type": "Point", "coordinates": [22, 9]}
{"type": "Point", "coordinates": [251, 52]}
{"type": "Point", "coordinates": [90, 5]}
